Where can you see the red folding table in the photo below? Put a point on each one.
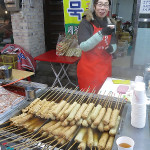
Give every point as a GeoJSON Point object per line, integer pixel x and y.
{"type": "Point", "coordinates": [51, 57]}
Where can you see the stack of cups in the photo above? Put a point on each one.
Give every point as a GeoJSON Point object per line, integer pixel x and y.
{"type": "Point", "coordinates": [138, 106]}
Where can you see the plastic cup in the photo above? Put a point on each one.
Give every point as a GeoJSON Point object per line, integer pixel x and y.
{"type": "Point", "coordinates": [142, 99]}
{"type": "Point", "coordinates": [140, 85]}
{"type": "Point", "coordinates": [127, 140]}
{"type": "Point", "coordinates": [138, 79]}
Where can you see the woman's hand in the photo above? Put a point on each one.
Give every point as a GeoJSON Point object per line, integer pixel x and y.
{"type": "Point", "coordinates": [109, 49]}
{"type": "Point", "coordinates": [107, 31]}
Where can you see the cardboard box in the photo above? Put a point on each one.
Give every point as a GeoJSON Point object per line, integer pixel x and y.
{"type": "Point", "coordinates": [125, 34]}
{"type": "Point", "coordinates": [9, 59]}
{"type": "Point", "coordinates": [126, 38]}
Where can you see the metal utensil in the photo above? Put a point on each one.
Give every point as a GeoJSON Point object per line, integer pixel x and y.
{"type": "Point", "coordinates": [30, 92]}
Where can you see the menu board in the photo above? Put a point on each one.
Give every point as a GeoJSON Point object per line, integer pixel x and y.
{"type": "Point", "coordinates": [145, 7]}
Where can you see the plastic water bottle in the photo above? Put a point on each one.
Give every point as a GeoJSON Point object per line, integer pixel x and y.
{"type": "Point", "coordinates": [147, 79]}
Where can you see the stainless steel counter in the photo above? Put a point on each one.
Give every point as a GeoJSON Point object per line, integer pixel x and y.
{"type": "Point", "coordinates": [140, 136]}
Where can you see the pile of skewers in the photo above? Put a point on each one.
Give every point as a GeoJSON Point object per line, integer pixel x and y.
{"type": "Point", "coordinates": [92, 138]}
{"type": "Point", "coordinates": [66, 112]}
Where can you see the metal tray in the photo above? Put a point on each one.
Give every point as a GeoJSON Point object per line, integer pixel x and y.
{"type": "Point", "coordinates": [12, 110]}
{"type": "Point", "coordinates": [18, 110]}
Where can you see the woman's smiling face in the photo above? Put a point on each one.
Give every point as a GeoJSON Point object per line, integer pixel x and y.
{"type": "Point", "coordinates": [101, 8]}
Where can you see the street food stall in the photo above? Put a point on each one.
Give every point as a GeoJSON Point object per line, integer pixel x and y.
{"type": "Point", "coordinates": [41, 117]}
{"type": "Point", "coordinates": [69, 119]}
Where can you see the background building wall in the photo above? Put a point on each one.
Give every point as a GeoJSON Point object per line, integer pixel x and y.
{"type": "Point", "coordinates": [28, 27]}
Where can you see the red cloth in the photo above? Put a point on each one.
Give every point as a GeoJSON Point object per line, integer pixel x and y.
{"type": "Point", "coordinates": [25, 60]}
{"type": "Point", "coordinates": [95, 65]}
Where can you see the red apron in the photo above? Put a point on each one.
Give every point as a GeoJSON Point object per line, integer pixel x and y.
{"type": "Point", "coordinates": [95, 65]}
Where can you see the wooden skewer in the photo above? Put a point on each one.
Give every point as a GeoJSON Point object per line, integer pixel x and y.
{"type": "Point", "coordinates": [89, 100]}
{"type": "Point", "coordinates": [75, 97]}
{"type": "Point", "coordinates": [46, 93]}
{"type": "Point", "coordinates": [83, 96]}
{"type": "Point", "coordinates": [72, 145]}
{"type": "Point", "coordinates": [28, 140]}
{"type": "Point", "coordinates": [106, 100]}
{"type": "Point", "coordinates": [9, 129]}
{"type": "Point", "coordinates": [96, 100]}
{"type": "Point", "coordinates": [109, 100]}
{"type": "Point", "coordinates": [19, 137]}
{"type": "Point", "coordinates": [78, 97]}
{"type": "Point", "coordinates": [31, 143]}
{"type": "Point", "coordinates": [51, 142]}
{"type": "Point", "coordinates": [58, 142]}
{"type": "Point", "coordinates": [121, 104]}
{"type": "Point", "coordinates": [8, 138]}
{"type": "Point", "coordinates": [60, 94]}
{"type": "Point", "coordinates": [10, 133]}
{"type": "Point", "coordinates": [54, 145]}
{"type": "Point", "coordinates": [33, 147]}
{"type": "Point", "coordinates": [34, 142]}
{"type": "Point", "coordinates": [70, 95]}
{"type": "Point", "coordinates": [117, 102]}
{"type": "Point", "coordinates": [102, 98]}
{"type": "Point", "coordinates": [5, 122]}
{"type": "Point", "coordinates": [63, 145]}
{"type": "Point", "coordinates": [6, 127]}
{"type": "Point", "coordinates": [49, 94]}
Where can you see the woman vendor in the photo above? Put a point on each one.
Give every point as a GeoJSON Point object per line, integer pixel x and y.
{"type": "Point", "coordinates": [97, 40]}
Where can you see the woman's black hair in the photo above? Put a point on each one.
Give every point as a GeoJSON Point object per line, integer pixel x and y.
{"type": "Point", "coordinates": [95, 2]}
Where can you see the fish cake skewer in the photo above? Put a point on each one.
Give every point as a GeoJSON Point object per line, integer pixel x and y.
{"type": "Point", "coordinates": [95, 138]}
{"type": "Point", "coordinates": [73, 112]}
{"type": "Point", "coordinates": [90, 139]}
{"type": "Point", "coordinates": [70, 131]}
{"type": "Point", "coordinates": [80, 111]}
{"type": "Point", "coordinates": [113, 130]}
{"type": "Point", "coordinates": [113, 118]}
{"type": "Point", "coordinates": [59, 107]}
{"type": "Point", "coordinates": [67, 112]}
{"type": "Point", "coordinates": [107, 116]}
{"type": "Point", "coordinates": [103, 140]}
{"type": "Point", "coordinates": [82, 145]}
{"type": "Point", "coordinates": [80, 135]}
{"type": "Point", "coordinates": [87, 110]}
{"type": "Point", "coordinates": [110, 143]}
{"type": "Point", "coordinates": [99, 117]}
{"type": "Point", "coordinates": [96, 112]}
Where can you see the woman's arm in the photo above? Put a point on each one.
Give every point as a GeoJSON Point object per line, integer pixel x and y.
{"type": "Point", "coordinates": [86, 39]}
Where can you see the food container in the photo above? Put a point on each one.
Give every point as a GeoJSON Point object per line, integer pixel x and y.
{"type": "Point", "coordinates": [6, 72]}
{"type": "Point", "coordinates": [30, 92]}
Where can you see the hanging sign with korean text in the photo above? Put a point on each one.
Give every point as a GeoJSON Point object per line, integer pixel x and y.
{"type": "Point", "coordinates": [73, 12]}
{"type": "Point", "coordinates": [145, 7]}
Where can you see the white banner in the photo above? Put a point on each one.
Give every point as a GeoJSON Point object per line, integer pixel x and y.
{"type": "Point", "coordinates": [145, 7]}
